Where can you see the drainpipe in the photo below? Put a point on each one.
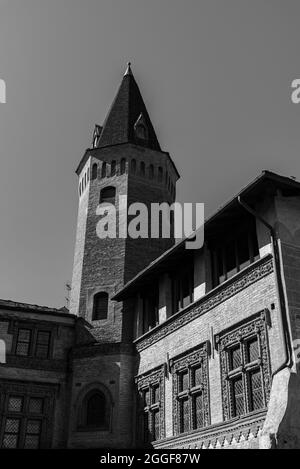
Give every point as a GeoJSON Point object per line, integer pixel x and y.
{"type": "Point", "coordinates": [288, 349]}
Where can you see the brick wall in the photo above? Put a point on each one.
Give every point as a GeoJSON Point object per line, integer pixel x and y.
{"type": "Point", "coordinates": [259, 294]}
{"type": "Point", "coordinates": [52, 373]}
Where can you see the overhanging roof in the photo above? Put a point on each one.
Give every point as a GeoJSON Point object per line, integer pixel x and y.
{"type": "Point", "coordinates": [215, 222]}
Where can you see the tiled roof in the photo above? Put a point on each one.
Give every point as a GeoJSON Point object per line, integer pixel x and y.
{"type": "Point", "coordinates": [127, 109]}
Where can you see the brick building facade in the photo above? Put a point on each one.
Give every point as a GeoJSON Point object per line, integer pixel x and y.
{"type": "Point", "coordinates": [163, 346]}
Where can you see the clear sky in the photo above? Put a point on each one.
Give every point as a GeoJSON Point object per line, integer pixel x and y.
{"type": "Point", "coordinates": [215, 75]}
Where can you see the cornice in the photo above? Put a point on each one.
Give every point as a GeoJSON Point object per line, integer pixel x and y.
{"type": "Point", "coordinates": [234, 431]}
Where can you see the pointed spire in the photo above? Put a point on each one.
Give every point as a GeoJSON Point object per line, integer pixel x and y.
{"type": "Point", "coordinates": [128, 70]}
{"type": "Point", "coordinates": [120, 125]}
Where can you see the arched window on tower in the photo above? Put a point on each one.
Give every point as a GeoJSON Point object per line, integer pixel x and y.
{"type": "Point", "coordinates": [133, 166]}
{"type": "Point", "coordinates": [151, 171]}
{"type": "Point", "coordinates": [113, 168]}
{"type": "Point", "coordinates": [160, 174]}
{"type": "Point", "coordinates": [108, 195]}
{"type": "Point", "coordinates": [94, 171]}
{"type": "Point", "coordinates": [123, 166]}
{"type": "Point", "coordinates": [103, 170]}
{"type": "Point", "coordinates": [100, 306]}
{"type": "Point", "coordinates": [142, 168]}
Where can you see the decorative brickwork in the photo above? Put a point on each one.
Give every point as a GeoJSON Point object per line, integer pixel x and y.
{"type": "Point", "coordinates": [243, 433]}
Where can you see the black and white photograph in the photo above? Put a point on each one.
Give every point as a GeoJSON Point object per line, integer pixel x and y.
{"type": "Point", "coordinates": [150, 229]}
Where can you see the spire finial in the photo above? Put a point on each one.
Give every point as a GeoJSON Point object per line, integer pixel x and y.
{"type": "Point", "coordinates": [128, 69]}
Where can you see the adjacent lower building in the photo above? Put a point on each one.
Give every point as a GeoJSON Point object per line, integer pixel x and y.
{"type": "Point", "coordinates": [163, 346]}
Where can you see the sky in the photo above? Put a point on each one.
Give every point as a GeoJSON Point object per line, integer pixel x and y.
{"type": "Point", "coordinates": [216, 78]}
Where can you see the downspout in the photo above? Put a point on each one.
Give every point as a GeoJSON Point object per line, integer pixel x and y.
{"type": "Point", "coordinates": [288, 349]}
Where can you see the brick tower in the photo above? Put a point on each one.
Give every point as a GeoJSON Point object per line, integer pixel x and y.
{"type": "Point", "coordinates": [125, 160]}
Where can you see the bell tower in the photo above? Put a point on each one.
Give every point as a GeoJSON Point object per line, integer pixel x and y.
{"type": "Point", "coordinates": [127, 163]}
{"type": "Point", "coordinates": [125, 160]}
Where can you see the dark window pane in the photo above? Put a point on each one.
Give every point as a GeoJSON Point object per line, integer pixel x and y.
{"type": "Point", "coordinates": [176, 295]}
{"type": "Point", "coordinates": [96, 407]}
{"type": "Point", "coordinates": [36, 405]}
{"type": "Point", "coordinates": [123, 165]}
{"type": "Point", "coordinates": [160, 174]}
{"type": "Point", "coordinates": [10, 441]}
{"type": "Point", "coordinates": [252, 350]}
{"type": "Point", "coordinates": [147, 432]}
{"type": "Point", "coordinates": [15, 404]}
{"type": "Point", "coordinates": [42, 344]}
{"type": "Point", "coordinates": [184, 415]}
{"type": "Point", "coordinates": [198, 421]}
{"type": "Point", "coordinates": [256, 392]}
{"type": "Point", "coordinates": [155, 394]}
{"type": "Point", "coordinates": [183, 381]}
{"type": "Point", "coordinates": [155, 417]}
{"type": "Point", "coordinates": [23, 342]}
{"type": "Point", "coordinates": [146, 398]}
{"type": "Point", "coordinates": [113, 167]}
{"type": "Point", "coordinates": [12, 425]}
{"type": "Point", "coordinates": [103, 170]}
{"type": "Point", "coordinates": [32, 436]}
{"type": "Point", "coordinates": [108, 195]}
{"type": "Point", "coordinates": [42, 351]}
{"type": "Point", "coordinates": [32, 442]}
{"type": "Point", "coordinates": [230, 259]}
{"type": "Point", "coordinates": [254, 245]}
{"type": "Point", "coordinates": [197, 376]}
{"type": "Point", "coordinates": [133, 166]}
{"type": "Point", "coordinates": [22, 349]}
{"type": "Point", "coordinates": [235, 358]}
{"type": "Point", "coordinates": [43, 337]}
{"type": "Point", "coordinates": [100, 306]}
{"type": "Point", "coordinates": [11, 433]}
{"type": "Point", "coordinates": [221, 277]}
{"type": "Point", "coordinates": [243, 251]}
{"type": "Point", "coordinates": [186, 291]}
{"type": "Point", "coordinates": [94, 171]}
{"type": "Point", "coordinates": [182, 288]}
{"type": "Point", "coordinates": [24, 335]}
{"type": "Point", "coordinates": [237, 397]}
{"type": "Point", "coordinates": [150, 309]}
{"type": "Point", "coordinates": [33, 427]}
